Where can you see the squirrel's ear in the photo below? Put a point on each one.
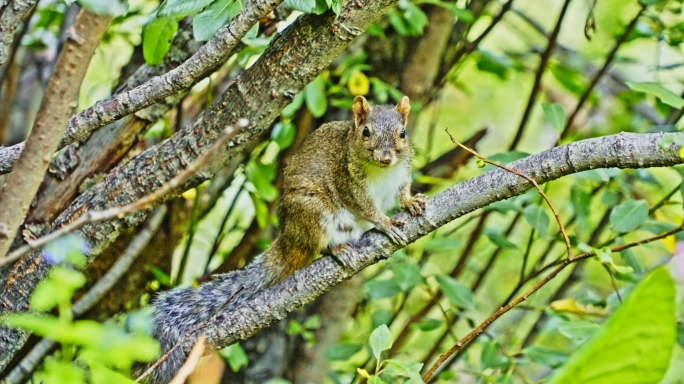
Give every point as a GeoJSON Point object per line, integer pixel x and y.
{"type": "Point", "coordinates": [403, 107]}
{"type": "Point", "coordinates": [360, 109]}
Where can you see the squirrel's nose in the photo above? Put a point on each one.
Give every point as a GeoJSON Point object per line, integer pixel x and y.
{"type": "Point", "coordinates": [386, 157]}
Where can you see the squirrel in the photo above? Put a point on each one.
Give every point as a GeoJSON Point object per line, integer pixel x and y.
{"type": "Point", "coordinates": [336, 186]}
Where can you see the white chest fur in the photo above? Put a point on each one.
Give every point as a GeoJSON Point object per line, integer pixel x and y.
{"type": "Point", "coordinates": [383, 186]}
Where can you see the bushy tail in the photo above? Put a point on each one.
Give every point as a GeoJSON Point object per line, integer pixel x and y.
{"type": "Point", "coordinates": [181, 311]}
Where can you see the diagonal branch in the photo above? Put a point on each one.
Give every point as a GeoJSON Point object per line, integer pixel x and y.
{"type": "Point", "coordinates": [245, 315]}
{"type": "Point", "coordinates": [157, 88]}
{"type": "Point", "coordinates": [59, 101]}
{"type": "Point", "coordinates": [258, 94]}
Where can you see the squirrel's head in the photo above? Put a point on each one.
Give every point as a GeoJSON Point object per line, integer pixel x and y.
{"type": "Point", "coordinates": [380, 135]}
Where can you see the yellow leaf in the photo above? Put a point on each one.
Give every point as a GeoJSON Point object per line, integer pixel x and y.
{"type": "Point", "coordinates": [568, 305]}
{"type": "Point", "coordinates": [189, 194]}
{"type": "Point", "coordinates": [669, 243]}
{"type": "Point", "coordinates": [358, 84]}
{"type": "Point", "coordinates": [363, 373]}
{"type": "Point", "coordinates": [681, 152]}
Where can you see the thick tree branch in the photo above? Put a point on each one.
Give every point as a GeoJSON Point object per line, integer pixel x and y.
{"type": "Point", "coordinates": [12, 12]}
{"type": "Point", "coordinates": [292, 60]}
{"type": "Point", "coordinates": [59, 101]}
{"type": "Point", "coordinates": [237, 322]}
{"type": "Point", "coordinates": [158, 87]}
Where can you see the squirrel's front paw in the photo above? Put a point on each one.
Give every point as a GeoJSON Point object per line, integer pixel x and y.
{"type": "Point", "coordinates": [415, 205]}
{"type": "Point", "coordinates": [344, 253]}
{"type": "Point", "coordinates": [393, 231]}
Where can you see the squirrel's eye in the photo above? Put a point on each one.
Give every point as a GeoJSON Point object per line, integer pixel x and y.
{"type": "Point", "coordinates": [402, 134]}
{"type": "Point", "coordinates": [366, 132]}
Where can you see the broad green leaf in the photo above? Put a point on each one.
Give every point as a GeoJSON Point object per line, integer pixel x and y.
{"type": "Point", "coordinates": [578, 330]}
{"type": "Point", "coordinates": [404, 369]}
{"type": "Point", "coordinates": [59, 287]}
{"type": "Point", "coordinates": [406, 274]}
{"type": "Point", "coordinates": [380, 317]}
{"type": "Point", "coordinates": [342, 352]}
{"type": "Point", "coordinates": [442, 244]}
{"type": "Point", "coordinates": [499, 240]}
{"type": "Point", "coordinates": [260, 210]}
{"type": "Point", "coordinates": [157, 36]}
{"type": "Point", "coordinates": [635, 344]}
{"type": "Point", "coordinates": [657, 90]}
{"type": "Point", "coordinates": [181, 8]}
{"type": "Point", "coordinates": [59, 371]}
{"type": "Point", "coordinates": [416, 19]}
{"type": "Point", "coordinates": [457, 293]}
{"type": "Point", "coordinates": [294, 106]}
{"type": "Point", "coordinates": [376, 380]}
{"type": "Point", "coordinates": [283, 134]}
{"type": "Point", "coordinates": [545, 356]}
{"type": "Point", "coordinates": [215, 16]}
{"type": "Point", "coordinates": [308, 6]}
{"type": "Point", "coordinates": [628, 216]}
{"type": "Point", "coordinates": [235, 356]}
{"type": "Point", "coordinates": [537, 218]}
{"type": "Point", "coordinates": [427, 324]}
{"type": "Point", "coordinates": [398, 23]}
{"type": "Point", "coordinates": [104, 375]}
{"type": "Point", "coordinates": [381, 289]}
{"type": "Point", "coordinates": [380, 340]}
{"type": "Point", "coordinates": [105, 7]}
{"type": "Point", "coordinates": [314, 96]}
{"type": "Point", "coordinates": [489, 62]}
{"type": "Point", "coordinates": [260, 175]}
{"type": "Point", "coordinates": [490, 357]}
{"type": "Point", "coordinates": [555, 115]}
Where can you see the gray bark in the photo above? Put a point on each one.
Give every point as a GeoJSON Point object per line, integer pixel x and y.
{"type": "Point", "coordinates": [240, 319]}
{"type": "Point", "coordinates": [12, 12]}
{"type": "Point", "coordinates": [292, 60]}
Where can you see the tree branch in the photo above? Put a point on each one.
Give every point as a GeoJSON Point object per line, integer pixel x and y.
{"type": "Point", "coordinates": [236, 322]}
{"type": "Point", "coordinates": [259, 95]}
{"type": "Point", "coordinates": [59, 101]}
{"type": "Point", "coordinates": [12, 12]}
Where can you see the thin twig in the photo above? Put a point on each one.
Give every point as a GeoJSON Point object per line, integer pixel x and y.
{"type": "Point", "coordinates": [499, 312]}
{"type": "Point", "coordinates": [612, 282]}
{"type": "Point", "coordinates": [191, 363]}
{"type": "Point", "coordinates": [187, 336]}
{"type": "Point", "coordinates": [121, 211]}
{"type": "Point", "coordinates": [531, 180]}
{"type": "Point", "coordinates": [546, 55]}
{"type": "Point", "coordinates": [30, 362]}
{"type": "Point", "coordinates": [609, 60]}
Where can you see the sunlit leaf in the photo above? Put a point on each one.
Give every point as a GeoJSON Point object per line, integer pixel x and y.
{"type": "Point", "coordinates": [235, 356]}
{"type": "Point", "coordinates": [635, 344]}
{"type": "Point", "coordinates": [657, 90]}
{"type": "Point", "coordinates": [215, 16]}
{"type": "Point", "coordinates": [157, 36]}
{"type": "Point", "coordinates": [380, 340]}
{"type": "Point", "coordinates": [181, 8]}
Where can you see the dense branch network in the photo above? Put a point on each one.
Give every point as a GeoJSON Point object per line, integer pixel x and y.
{"type": "Point", "coordinates": [625, 150]}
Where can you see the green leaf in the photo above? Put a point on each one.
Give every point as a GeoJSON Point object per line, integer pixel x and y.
{"type": "Point", "coordinates": [404, 369]}
{"type": "Point", "coordinates": [442, 244]}
{"type": "Point", "coordinates": [104, 375]}
{"type": "Point", "coordinates": [308, 6]}
{"type": "Point", "coordinates": [376, 380]}
{"type": "Point", "coordinates": [157, 36]}
{"type": "Point", "coordinates": [415, 19]}
{"type": "Point", "coordinates": [544, 356]}
{"type": "Point", "coordinates": [382, 289]}
{"type": "Point", "coordinates": [314, 96]}
{"type": "Point", "coordinates": [628, 216]}
{"type": "Point", "coordinates": [341, 352]}
{"type": "Point", "coordinates": [59, 287]}
{"type": "Point", "coordinates": [182, 8]}
{"type": "Point", "coordinates": [427, 324]}
{"type": "Point", "coordinates": [235, 356]}
{"type": "Point", "coordinates": [105, 7]}
{"type": "Point", "coordinates": [215, 16]}
{"type": "Point", "coordinates": [635, 344]}
{"type": "Point", "coordinates": [294, 106]}
{"type": "Point", "coordinates": [555, 114]}
{"type": "Point", "coordinates": [579, 330]}
{"type": "Point", "coordinates": [380, 317]}
{"type": "Point", "coordinates": [260, 175]}
{"type": "Point", "coordinates": [537, 218]}
{"type": "Point", "coordinates": [406, 274]}
{"type": "Point", "coordinates": [283, 134]}
{"type": "Point", "coordinates": [260, 210]}
{"type": "Point", "coordinates": [457, 293]}
{"type": "Point", "coordinates": [489, 62]}
{"type": "Point", "coordinates": [490, 357]}
{"type": "Point", "coordinates": [657, 90]}
{"type": "Point", "coordinates": [499, 240]}
{"type": "Point", "coordinates": [380, 340]}
{"type": "Point", "coordinates": [59, 371]}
